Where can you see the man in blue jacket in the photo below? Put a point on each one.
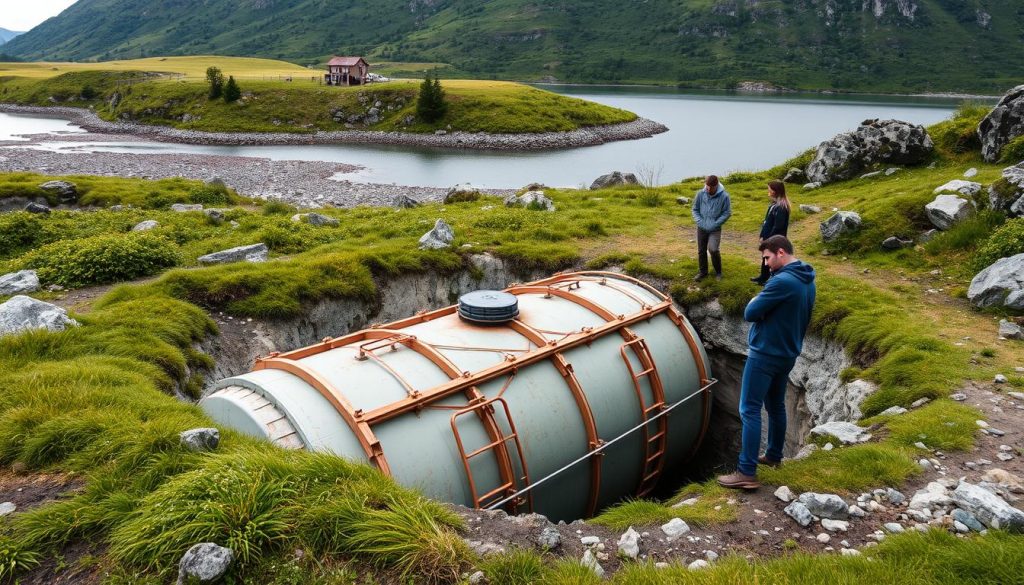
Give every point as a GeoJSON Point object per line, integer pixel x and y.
{"type": "Point", "coordinates": [711, 208]}
{"type": "Point", "coordinates": [779, 317]}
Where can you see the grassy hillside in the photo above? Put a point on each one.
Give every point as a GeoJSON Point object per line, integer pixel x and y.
{"type": "Point", "coordinates": [93, 403]}
{"type": "Point", "coordinates": [913, 45]}
{"type": "Point", "coordinates": [171, 91]}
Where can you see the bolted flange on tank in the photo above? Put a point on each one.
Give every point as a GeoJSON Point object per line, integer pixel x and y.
{"type": "Point", "coordinates": [560, 396]}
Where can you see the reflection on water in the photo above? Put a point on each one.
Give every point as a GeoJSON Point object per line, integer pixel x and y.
{"type": "Point", "coordinates": [708, 133]}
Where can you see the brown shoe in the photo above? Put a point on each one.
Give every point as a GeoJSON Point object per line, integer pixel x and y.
{"type": "Point", "coordinates": [762, 460]}
{"type": "Point", "coordinates": [738, 480]}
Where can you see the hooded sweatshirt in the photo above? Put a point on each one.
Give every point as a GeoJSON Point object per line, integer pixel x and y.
{"type": "Point", "coordinates": [711, 211]}
{"type": "Point", "coordinates": [782, 312]}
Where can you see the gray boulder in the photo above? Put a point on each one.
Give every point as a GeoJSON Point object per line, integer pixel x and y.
{"type": "Point", "coordinates": [315, 219]}
{"type": "Point", "coordinates": [251, 253]}
{"type": "Point", "coordinates": [1004, 123]}
{"type": "Point", "coordinates": [1010, 330]}
{"type": "Point", "coordinates": [614, 178]}
{"type": "Point", "coordinates": [967, 519]}
{"type": "Point", "coordinates": [549, 538]}
{"type": "Point", "coordinates": [812, 186]}
{"type": "Point", "coordinates": [928, 236]}
{"type": "Point", "coordinates": [535, 199]}
{"type": "Point", "coordinates": [799, 512]}
{"type": "Point", "coordinates": [198, 440]}
{"type": "Point", "coordinates": [629, 544]}
{"type": "Point", "coordinates": [65, 191]}
{"type": "Point", "coordinates": [840, 223]}
{"type": "Point", "coordinates": [404, 202]}
{"type": "Point", "coordinates": [683, 200]}
{"type": "Point", "coordinates": [147, 225]}
{"type": "Point", "coordinates": [22, 313]}
{"type": "Point", "coordinates": [441, 236]}
{"type": "Point", "coordinates": [205, 562]}
{"type": "Point", "coordinates": [215, 215]}
{"type": "Point", "coordinates": [825, 505]}
{"type": "Point", "coordinates": [809, 209]}
{"type": "Point", "coordinates": [945, 211]}
{"type": "Point", "coordinates": [16, 283]}
{"type": "Point", "coordinates": [7, 508]}
{"type": "Point", "coordinates": [876, 141]}
{"type": "Point", "coordinates": [992, 510]}
{"type": "Point", "coordinates": [34, 207]}
{"type": "Point", "coordinates": [896, 242]}
{"type": "Point", "coordinates": [795, 175]}
{"type": "Point", "coordinates": [968, 188]}
{"type": "Point", "coordinates": [847, 432]}
{"type": "Point", "coordinates": [1007, 194]}
{"type": "Point", "coordinates": [183, 207]}
{"type": "Point", "coordinates": [1001, 284]}
{"type": "Point", "coordinates": [462, 192]}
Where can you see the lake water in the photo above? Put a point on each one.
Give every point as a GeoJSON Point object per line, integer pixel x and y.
{"type": "Point", "coordinates": [708, 133]}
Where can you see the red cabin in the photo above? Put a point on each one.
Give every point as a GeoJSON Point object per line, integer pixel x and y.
{"type": "Point", "coordinates": [347, 71]}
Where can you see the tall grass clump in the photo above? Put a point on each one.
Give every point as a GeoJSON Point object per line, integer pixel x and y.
{"type": "Point", "coordinates": [959, 134]}
{"type": "Point", "coordinates": [1006, 241]}
{"type": "Point", "coordinates": [103, 259]}
{"type": "Point", "coordinates": [515, 567]}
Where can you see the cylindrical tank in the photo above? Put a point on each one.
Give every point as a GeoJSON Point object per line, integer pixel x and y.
{"type": "Point", "coordinates": [475, 413]}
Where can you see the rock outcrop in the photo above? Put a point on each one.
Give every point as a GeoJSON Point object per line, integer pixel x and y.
{"type": "Point", "coordinates": [876, 141]}
{"type": "Point", "coordinates": [251, 253]}
{"type": "Point", "coordinates": [65, 191]}
{"type": "Point", "coordinates": [441, 236]}
{"type": "Point", "coordinates": [20, 282]}
{"type": "Point", "coordinates": [614, 178]}
{"type": "Point", "coordinates": [1000, 284]}
{"type": "Point", "coordinates": [531, 200]}
{"type": "Point", "coordinates": [1004, 123]}
{"type": "Point", "coordinates": [1007, 193]}
{"type": "Point", "coordinates": [22, 313]}
{"type": "Point", "coordinates": [205, 562]}
{"type": "Point", "coordinates": [945, 211]}
{"type": "Point", "coordinates": [840, 223]}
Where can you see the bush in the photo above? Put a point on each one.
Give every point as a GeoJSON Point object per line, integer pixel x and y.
{"type": "Point", "coordinates": [430, 104]}
{"type": "Point", "coordinates": [1013, 152]}
{"type": "Point", "coordinates": [102, 259]}
{"type": "Point", "coordinates": [19, 231]}
{"type": "Point", "coordinates": [278, 208]}
{"type": "Point", "coordinates": [211, 195]}
{"type": "Point", "coordinates": [215, 78]}
{"type": "Point", "coordinates": [1006, 241]}
{"type": "Point", "coordinates": [231, 90]}
{"type": "Point", "coordinates": [959, 134]}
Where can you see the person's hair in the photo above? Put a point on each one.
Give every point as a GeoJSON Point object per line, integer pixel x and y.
{"type": "Point", "coordinates": [776, 243]}
{"type": "Point", "coordinates": [779, 190]}
{"type": "Point", "coordinates": [711, 181]}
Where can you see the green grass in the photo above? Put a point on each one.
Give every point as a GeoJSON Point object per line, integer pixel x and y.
{"type": "Point", "coordinates": [712, 507]}
{"type": "Point", "coordinates": [271, 106]}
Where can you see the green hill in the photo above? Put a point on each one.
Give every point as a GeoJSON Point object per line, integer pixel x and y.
{"type": "Point", "coordinates": [881, 45]}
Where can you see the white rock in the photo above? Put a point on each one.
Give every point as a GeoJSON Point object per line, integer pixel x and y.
{"type": "Point", "coordinates": [629, 543]}
{"type": "Point", "coordinates": [147, 225]}
{"type": "Point", "coordinates": [441, 236]}
{"type": "Point", "coordinates": [7, 508]}
{"type": "Point", "coordinates": [835, 525]}
{"type": "Point", "coordinates": [785, 494]}
{"type": "Point", "coordinates": [847, 432]}
{"type": "Point", "coordinates": [969, 188]}
{"type": "Point", "coordinates": [590, 540]}
{"type": "Point", "coordinates": [894, 527]}
{"type": "Point", "coordinates": [20, 282]}
{"type": "Point", "coordinates": [857, 512]}
{"type": "Point", "coordinates": [992, 510]}
{"type": "Point", "coordinates": [675, 528]}
{"type": "Point", "coordinates": [970, 172]}
{"type": "Point", "coordinates": [823, 538]}
{"type": "Point", "coordinates": [21, 313]}
{"type": "Point", "coordinates": [698, 564]}
{"type": "Point", "coordinates": [590, 561]}
{"type": "Point", "coordinates": [850, 552]}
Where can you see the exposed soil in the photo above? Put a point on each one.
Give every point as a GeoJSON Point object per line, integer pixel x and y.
{"type": "Point", "coordinates": [762, 529]}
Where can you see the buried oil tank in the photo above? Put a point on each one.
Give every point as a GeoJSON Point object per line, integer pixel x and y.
{"type": "Point", "coordinates": [560, 396]}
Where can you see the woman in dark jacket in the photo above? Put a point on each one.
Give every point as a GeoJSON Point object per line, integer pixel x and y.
{"type": "Point", "coordinates": [776, 221]}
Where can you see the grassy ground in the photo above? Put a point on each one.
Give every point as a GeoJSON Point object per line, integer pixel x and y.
{"type": "Point", "coordinates": [178, 97]}
{"type": "Point", "coordinates": [94, 400]}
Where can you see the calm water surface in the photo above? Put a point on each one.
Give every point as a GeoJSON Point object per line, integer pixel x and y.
{"type": "Point", "coordinates": [708, 133]}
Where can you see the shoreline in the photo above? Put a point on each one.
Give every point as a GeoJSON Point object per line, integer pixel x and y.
{"type": "Point", "coordinates": [779, 90]}
{"type": "Point", "coordinates": [590, 136]}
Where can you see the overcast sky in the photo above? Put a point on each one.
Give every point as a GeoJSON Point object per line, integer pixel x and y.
{"type": "Point", "coordinates": [22, 15]}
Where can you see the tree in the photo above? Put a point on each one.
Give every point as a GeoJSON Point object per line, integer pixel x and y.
{"type": "Point", "coordinates": [430, 104]}
{"type": "Point", "coordinates": [231, 90]}
{"type": "Point", "coordinates": [216, 80]}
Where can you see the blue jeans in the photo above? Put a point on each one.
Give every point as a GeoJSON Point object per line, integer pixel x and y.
{"type": "Point", "coordinates": [764, 384]}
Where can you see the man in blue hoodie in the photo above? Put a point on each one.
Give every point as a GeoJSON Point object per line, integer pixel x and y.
{"type": "Point", "coordinates": [711, 208]}
{"type": "Point", "coordinates": [779, 317]}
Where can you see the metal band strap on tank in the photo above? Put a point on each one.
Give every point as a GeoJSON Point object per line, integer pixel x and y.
{"type": "Point", "coordinates": [702, 372]}
{"type": "Point", "coordinates": [361, 429]}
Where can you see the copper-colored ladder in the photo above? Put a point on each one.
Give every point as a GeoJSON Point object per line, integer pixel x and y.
{"type": "Point", "coordinates": [654, 444]}
{"type": "Point", "coordinates": [510, 484]}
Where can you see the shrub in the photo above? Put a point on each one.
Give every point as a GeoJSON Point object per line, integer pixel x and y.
{"type": "Point", "coordinates": [959, 134]}
{"type": "Point", "coordinates": [19, 231]}
{"type": "Point", "coordinates": [278, 208]}
{"type": "Point", "coordinates": [649, 198]}
{"type": "Point", "coordinates": [211, 195]}
{"type": "Point", "coordinates": [1014, 151]}
{"type": "Point", "coordinates": [102, 259]}
{"type": "Point", "coordinates": [215, 78]}
{"type": "Point", "coordinates": [430, 103]}
{"type": "Point", "coordinates": [1006, 241]}
{"type": "Point", "coordinates": [231, 90]}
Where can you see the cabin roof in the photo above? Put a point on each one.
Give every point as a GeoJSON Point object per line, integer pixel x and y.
{"type": "Point", "coordinates": [346, 61]}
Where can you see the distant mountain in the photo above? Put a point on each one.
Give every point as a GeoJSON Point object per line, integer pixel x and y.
{"type": "Point", "coordinates": [886, 45]}
{"type": "Point", "coordinates": [6, 35]}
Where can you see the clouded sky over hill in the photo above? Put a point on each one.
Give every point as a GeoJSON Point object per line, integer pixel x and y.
{"type": "Point", "coordinates": [22, 15]}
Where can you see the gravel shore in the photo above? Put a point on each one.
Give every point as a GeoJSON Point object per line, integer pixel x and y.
{"type": "Point", "coordinates": [591, 136]}
{"type": "Point", "coordinates": [306, 184]}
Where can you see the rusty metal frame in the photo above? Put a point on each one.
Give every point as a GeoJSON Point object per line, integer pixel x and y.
{"type": "Point", "coordinates": [468, 383]}
{"type": "Point", "coordinates": [648, 479]}
{"type": "Point", "coordinates": [485, 411]}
